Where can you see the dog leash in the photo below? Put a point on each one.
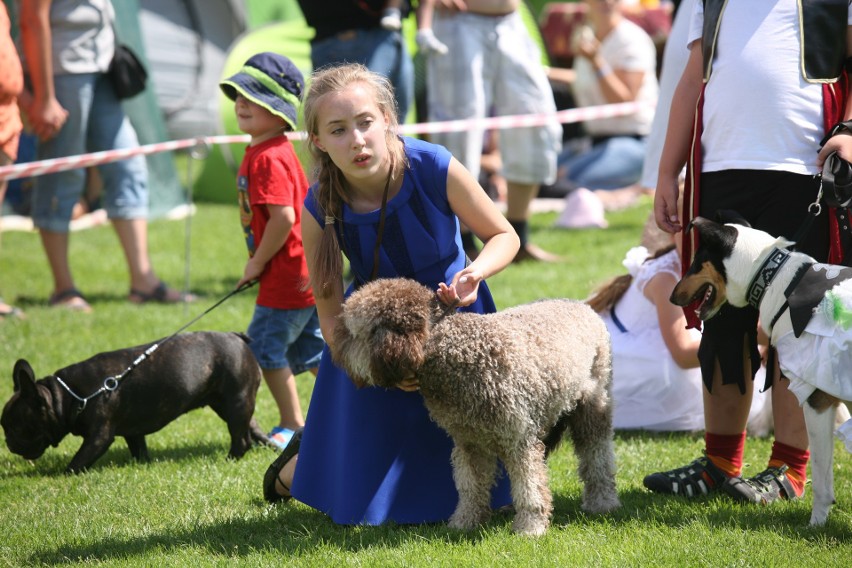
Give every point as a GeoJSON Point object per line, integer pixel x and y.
{"type": "Point", "coordinates": [814, 210]}
{"type": "Point", "coordinates": [111, 383]}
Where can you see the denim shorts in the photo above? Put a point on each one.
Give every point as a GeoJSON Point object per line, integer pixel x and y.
{"type": "Point", "coordinates": [96, 122]}
{"type": "Point", "coordinates": [286, 338]}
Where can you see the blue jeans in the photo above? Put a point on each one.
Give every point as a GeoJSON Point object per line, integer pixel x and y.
{"type": "Point", "coordinates": [286, 338]}
{"type": "Point", "coordinates": [380, 50]}
{"type": "Point", "coordinates": [96, 122]}
{"type": "Point", "coordinates": [611, 164]}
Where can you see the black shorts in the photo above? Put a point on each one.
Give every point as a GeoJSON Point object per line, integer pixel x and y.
{"type": "Point", "coordinates": [772, 201]}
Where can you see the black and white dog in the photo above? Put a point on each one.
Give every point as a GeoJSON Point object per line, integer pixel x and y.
{"type": "Point", "coordinates": [805, 308]}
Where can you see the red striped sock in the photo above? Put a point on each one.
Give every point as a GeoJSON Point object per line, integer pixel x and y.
{"type": "Point", "coordinates": [726, 451]}
{"type": "Point", "coordinates": [796, 461]}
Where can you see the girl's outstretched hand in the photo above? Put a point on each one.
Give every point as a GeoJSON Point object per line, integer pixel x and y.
{"type": "Point", "coordinates": [463, 290]}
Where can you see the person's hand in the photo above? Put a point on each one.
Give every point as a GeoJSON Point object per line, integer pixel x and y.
{"type": "Point", "coordinates": [451, 5]}
{"type": "Point", "coordinates": [46, 118]}
{"type": "Point", "coordinates": [252, 271]}
{"type": "Point", "coordinates": [409, 384]}
{"type": "Point", "coordinates": [665, 206]}
{"type": "Point", "coordinates": [463, 290]}
{"type": "Point", "coordinates": [586, 44]}
{"type": "Point", "coordinates": [429, 44]}
{"type": "Point", "coordinates": [840, 143]}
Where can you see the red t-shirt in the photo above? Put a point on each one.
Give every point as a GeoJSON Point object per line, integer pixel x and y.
{"type": "Point", "coordinates": [270, 174]}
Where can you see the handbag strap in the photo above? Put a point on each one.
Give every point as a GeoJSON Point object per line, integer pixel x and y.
{"type": "Point", "coordinates": [381, 229]}
{"type": "Point", "coordinates": [341, 234]}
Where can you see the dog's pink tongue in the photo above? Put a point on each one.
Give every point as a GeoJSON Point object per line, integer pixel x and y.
{"type": "Point", "coordinates": [691, 312]}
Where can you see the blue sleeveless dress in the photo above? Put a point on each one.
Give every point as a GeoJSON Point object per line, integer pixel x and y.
{"type": "Point", "coordinates": [373, 455]}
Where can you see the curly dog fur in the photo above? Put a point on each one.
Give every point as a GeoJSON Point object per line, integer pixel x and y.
{"type": "Point", "coordinates": [504, 386]}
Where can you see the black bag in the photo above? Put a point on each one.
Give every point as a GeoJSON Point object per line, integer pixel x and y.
{"type": "Point", "coordinates": [837, 181]}
{"type": "Point", "coordinates": [126, 72]}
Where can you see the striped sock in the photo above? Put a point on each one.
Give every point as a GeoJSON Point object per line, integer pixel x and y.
{"type": "Point", "coordinates": [726, 451]}
{"type": "Point", "coordinates": [796, 461]}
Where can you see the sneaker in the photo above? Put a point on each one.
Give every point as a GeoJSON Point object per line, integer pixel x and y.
{"type": "Point", "coordinates": [766, 487]}
{"type": "Point", "coordinates": [700, 477]}
{"type": "Point", "coordinates": [391, 19]}
{"type": "Point", "coordinates": [280, 437]}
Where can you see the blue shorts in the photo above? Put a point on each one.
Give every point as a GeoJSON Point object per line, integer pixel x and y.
{"type": "Point", "coordinates": [286, 338]}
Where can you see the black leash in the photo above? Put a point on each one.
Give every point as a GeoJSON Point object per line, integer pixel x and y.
{"type": "Point", "coordinates": [814, 210]}
{"type": "Point", "coordinates": [111, 383]}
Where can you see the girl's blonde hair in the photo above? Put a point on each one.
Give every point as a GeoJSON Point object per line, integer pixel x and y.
{"type": "Point", "coordinates": [332, 188]}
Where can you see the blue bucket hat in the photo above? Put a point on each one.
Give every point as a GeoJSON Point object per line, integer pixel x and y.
{"type": "Point", "coordinates": [271, 81]}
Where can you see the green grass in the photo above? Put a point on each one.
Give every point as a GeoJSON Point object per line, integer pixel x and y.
{"type": "Point", "coordinates": [192, 506]}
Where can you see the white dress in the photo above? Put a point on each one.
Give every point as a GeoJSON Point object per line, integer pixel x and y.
{"type": "Point", "coordinates": [649, 390]}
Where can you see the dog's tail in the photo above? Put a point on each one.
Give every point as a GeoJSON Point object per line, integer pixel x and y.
{"type": "Point", "coordinates": [242, 336]}
{"type": "Point", "coordinates": [555, 435]}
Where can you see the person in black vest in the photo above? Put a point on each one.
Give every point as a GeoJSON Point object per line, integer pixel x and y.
{"type": "Point", "coordinates": [760, 129]}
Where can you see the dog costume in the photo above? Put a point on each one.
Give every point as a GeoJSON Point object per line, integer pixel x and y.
{"type": "Point", "coordinates": [819, 299]}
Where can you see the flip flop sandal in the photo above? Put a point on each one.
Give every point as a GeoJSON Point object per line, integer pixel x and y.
{"type": "Point", "coordinates": [70, 299]}
{"type": "Point", "coordinates": [273, 472]}
{"type": "Point", "coordinates": [11, 312]}
{"type": "Point", "coordinates": [159, 295]}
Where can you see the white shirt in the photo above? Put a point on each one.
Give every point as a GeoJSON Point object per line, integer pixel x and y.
{"type": "Point", "coordinates": [759, 112]}
{"type": "Point", "coordinates": [630, 48]}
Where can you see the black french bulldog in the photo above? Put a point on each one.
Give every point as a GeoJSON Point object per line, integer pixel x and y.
{"type": "Point", "coordinates": [186, 372]}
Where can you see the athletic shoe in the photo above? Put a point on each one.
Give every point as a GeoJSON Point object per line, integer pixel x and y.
{"type": "Point", "coordinates": [280, 437]}
{"type": "Point", "coordinates": [700, 477]}
{"type": "Point", "coordinates": [766, 487]}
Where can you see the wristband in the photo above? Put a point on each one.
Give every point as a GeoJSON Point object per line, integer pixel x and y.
{"type": "Point", "coordinates": [603, 71]}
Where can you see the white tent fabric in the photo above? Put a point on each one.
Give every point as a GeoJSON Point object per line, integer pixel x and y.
{"type": "Point", "coordinates": [186, 42]}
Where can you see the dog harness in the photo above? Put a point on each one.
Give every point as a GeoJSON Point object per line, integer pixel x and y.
{"type": "Point", "coordinates": [804, 293]}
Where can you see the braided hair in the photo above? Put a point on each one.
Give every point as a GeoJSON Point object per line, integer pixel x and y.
{"type": "Point", "coordinates": [332, 188]}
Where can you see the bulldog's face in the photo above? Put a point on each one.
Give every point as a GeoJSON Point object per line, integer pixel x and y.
{"type": "Point", "coordinates": [26, 416]}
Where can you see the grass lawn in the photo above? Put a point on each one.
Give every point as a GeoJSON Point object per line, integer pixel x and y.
{"type": "Point", "coordinates": [190, 506]}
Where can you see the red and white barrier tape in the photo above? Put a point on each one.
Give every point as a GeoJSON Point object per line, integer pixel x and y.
{"type": "Point", "coordinates": [32, 169]}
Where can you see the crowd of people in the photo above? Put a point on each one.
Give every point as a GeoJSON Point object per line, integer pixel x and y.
{"type": "Point", "coordinates": [400, 206]}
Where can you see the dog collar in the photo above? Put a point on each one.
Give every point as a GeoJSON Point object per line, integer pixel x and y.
{"type": "Point", "coordinates": [767, 271]}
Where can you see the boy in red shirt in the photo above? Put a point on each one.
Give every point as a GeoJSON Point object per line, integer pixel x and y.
{"type": "Point", "coordinates": [284, 330]}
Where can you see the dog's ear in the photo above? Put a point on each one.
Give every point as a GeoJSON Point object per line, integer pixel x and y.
{"type": "Point", "coordinates": [714, 236]}
{"type": "Point", "coordinates": [24, 379]}
{"type": "Point", "coordinates": [697, 223]}
{"type": "Point", "coordinates": [730, 216]}
{"type": "Point", "coordinates": [395, 356]}
{"type": "Point", "coordinates": [341, 339]}
{"type": "Point", "coordinates": [342, 344]}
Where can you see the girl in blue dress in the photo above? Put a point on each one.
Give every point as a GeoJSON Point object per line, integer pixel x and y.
{"type": "Point", "coordinates": [392, 206]}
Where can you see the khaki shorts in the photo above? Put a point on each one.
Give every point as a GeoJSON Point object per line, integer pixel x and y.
{"type": "Point", "coordinates": [493, 69]}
